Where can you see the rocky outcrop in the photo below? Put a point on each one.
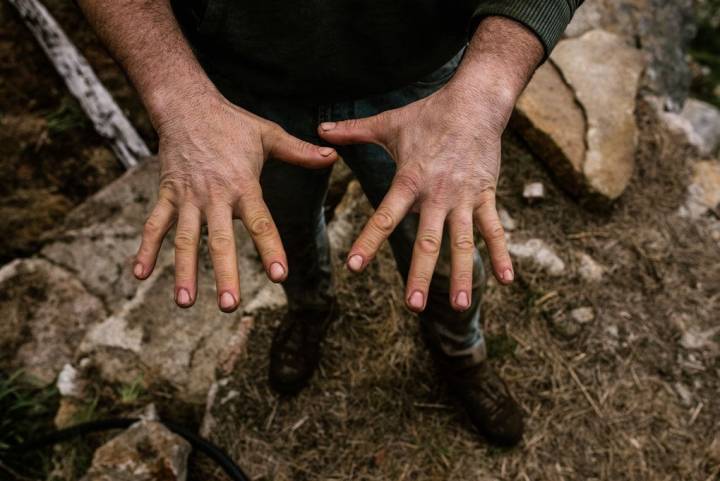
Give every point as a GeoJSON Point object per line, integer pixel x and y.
{"type": "Point", "coordinates": [147, 451]}
{"type": "Point", "coordinates": [577, 113]}
{"type": "Point", "coordinates": [662, 29]}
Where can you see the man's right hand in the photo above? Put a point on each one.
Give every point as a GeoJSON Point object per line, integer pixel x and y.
{"type": "Point", "coordinates": [211, 156]}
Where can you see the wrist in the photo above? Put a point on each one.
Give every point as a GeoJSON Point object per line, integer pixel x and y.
{"type": "Point", "coordinates": [499, 61]}
{"type": "Point", "coordinates": [172, 102]}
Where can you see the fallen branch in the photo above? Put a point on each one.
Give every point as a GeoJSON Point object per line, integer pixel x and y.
{"type": "Point", "coordinates": [95, 100]}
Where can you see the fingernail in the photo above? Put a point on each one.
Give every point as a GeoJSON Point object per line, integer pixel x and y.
{"type": "Point", "coordinates": [462, 299]}
{"type": "Point", "coordinates": [508, 275]}
{"type": "Point", "coordinates": [355, 263]}
{"type": "Point", "coordinates": [227, 301]}
{"type": "Point", "coordinates": [325, 151]}
{"type": "Point", "coordinates": [325, 126]}
{"type": "Point", "coordinates": [183, 297]}
{"type": "Point", "coordinates": [277, 271]}
{"type": "Point", "coordinates": [416, 300]}
{"type": "Point", "coordinates": [138, 269]}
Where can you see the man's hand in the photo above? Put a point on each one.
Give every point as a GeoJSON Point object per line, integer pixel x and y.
{"type": "Point", "coordinates": [447, 150]}
{"type": "Point", "coordinates": [211, 156]}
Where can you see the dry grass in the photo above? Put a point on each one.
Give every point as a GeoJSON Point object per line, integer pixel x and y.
{"type": "Point", "coordinates": [603, 401]}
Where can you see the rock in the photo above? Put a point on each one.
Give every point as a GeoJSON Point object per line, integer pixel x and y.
{"type": "Point", "coordinates": [660, 28]}
{"type": "Point", "coordinates": [70, 382]}
{"type": "Point", "coordinates": [704, 119]}
{"type": "Point", "coordinates": [703, 191]}
{"type": "Point", "coordinates": [45, 311]}
{"type": "Point", "coordinates": [506, 220]}
{"type": "Point", "coordinates": [537, 251]}
{"type": "Point", "coordinates": [553, 124]}
{"type": "Point", "coordinates": [698, 123]}
{"type": "Point", "coordinates": [534, 191]}
{"type": "Point", "coordinates": [147, 451]}
{"type": "Point", "coordinates": [582, 315]}
{"type": "Point", "coordinates": [589, 269]}
{"type": "Point", "coordinates": [577, 113]}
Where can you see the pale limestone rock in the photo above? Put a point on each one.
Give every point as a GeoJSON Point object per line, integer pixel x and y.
{"type": "Point", "coordinates": [540, 253]}
{"type": "Point", "coordinates": [582, 315]}
{"type": "Point", "coordinates": [45, 312]}
{"type": "Point", "coordinates": [577, 113]}
{"type": "Point", "coordinates": [604, 73]}
{"type": "Point", "coordinates": [506, 220]}
{"type": "Point", "coordinates": [70, 382]}
{"type": "Point", "coordinates": [551, 121]}
{"type": "Point", "coordinates": [705, 121]}
{"type": "Point", "coordinates": [534, 191]}
{"type": "Point", "coordinates": [147, 451]}
{"type": "Point", "coordinates": [703, 191]}
{"type": "Point", "coordinates": [589, 269]}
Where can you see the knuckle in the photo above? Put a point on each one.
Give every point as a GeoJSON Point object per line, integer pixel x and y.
{"type": "Point", "coordinates": [464, 243]}
{"type": "Point", "coordinates": [429, 244]}
{"type": "Point", "coordinates": [260, 226]}
{"type": "Point", "coordinates": [496, 232]}
{"type": "Point", "coordinates": [185, 240]}
{"type": "Point", "coordinates": [153, 227]}
{"type": "Point", "coordinates": [383, 220]}
{"type": "Point", "coordinates": [220, 242]}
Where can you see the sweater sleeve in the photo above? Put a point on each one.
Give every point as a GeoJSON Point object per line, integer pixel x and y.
{"type": "Point", "coordinates": [547, 18]}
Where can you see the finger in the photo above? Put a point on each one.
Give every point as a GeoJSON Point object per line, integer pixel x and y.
{"type": "Point", "coordinates": [258, 221]}
{"type": "Point", "coordinates": [393, 208]}
{"type": "Point", "coordinates": [288, 148]}
{"type": "Point", "coordinates": [369, 130]}
{"type": "Point", "coordinates": [221, 241]}
{"type": "Point", "coordinates": [187, 235]}
{"type": "Point", "coordinates": [462, 250]}
{"type": "Point", "coordinates": [424, 258]}
{"type": "Point", "coordinates": [487, 220]}
{"type": "Point", "coordinates": [158, 223]}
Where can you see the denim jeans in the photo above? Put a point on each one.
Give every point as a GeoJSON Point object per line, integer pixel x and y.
{"type": "Point", "coordinates": [295, 197]}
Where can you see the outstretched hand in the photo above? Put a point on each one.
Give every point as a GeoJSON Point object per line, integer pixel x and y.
{"type": "Point", "coordinates": [211, 156]}
{"type": "Point", "coordinates": [447, 150]}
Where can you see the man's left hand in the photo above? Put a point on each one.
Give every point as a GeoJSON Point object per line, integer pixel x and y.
{"type": "Point", "coordinates": [447, 150]}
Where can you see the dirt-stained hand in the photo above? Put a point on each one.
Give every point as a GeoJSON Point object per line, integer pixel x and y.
{"type": "Point", "coordinates": [211, 157]}
{"type": "Point", "coordinates": [447, 150]}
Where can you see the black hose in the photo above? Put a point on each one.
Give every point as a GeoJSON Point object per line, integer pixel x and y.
{"type": "Point", "coordinates": [198, 443]}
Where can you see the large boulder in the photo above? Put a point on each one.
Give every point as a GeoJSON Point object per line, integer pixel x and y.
{"type": "Point", "coordinates": [146, 451]}
{"type": "Point", "coordinates": [577, 113]}
{"type": "Point", "coordinates": [661, 28]}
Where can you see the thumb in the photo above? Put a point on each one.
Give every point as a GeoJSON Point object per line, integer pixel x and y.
{"type": "Point", "coordinates": [369, 130]}
{"type": "Point", "coordinates": [290, 149]}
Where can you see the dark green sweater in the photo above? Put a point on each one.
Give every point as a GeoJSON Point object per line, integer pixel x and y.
{"type": "Point", "coordinates": [342, 49]}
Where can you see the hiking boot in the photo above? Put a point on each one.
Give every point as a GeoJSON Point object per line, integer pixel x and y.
{"type": "Point", "coordinates": [482, 393]}
{"type": "Point", "coordinates": [295, 349]}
